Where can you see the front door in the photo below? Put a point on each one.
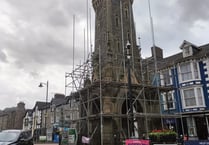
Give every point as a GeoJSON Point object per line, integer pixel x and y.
{"type": "Point", "coordinates": [201, 126]}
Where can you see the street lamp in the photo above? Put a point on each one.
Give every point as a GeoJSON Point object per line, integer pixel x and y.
{"type": "Point", "coordinates": [47, 92]}
{"type": "Point", "coordinates": [130, 97]}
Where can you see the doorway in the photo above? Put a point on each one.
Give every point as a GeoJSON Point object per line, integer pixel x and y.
{"type": "Point", "coordinates": [201, 127]}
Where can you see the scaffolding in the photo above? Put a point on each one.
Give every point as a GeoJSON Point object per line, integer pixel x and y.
{"type": "Point", "coordinates": [100, 90]}
{"type": "Point", "coordinates": [100, 100]}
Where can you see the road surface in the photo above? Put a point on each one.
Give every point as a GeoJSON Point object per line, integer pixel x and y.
{"type": "Point", "coordinates": [46, 144]}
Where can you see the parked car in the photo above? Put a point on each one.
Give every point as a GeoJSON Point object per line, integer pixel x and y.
{"type": "Point", "coordinates": [15, 137]}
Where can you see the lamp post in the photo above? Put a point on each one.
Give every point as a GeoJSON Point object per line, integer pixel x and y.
{"type": "Point", "coordinates": [130, 97]}
{"type": "Point", "coordinates": [47, 92]}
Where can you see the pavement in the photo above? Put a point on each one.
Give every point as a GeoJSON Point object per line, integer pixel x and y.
{"type": "Point", "coordinates": [46, 144]}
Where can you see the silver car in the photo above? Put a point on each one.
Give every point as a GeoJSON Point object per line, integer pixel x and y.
{"type": "Point", "coordinates": [15, 137]}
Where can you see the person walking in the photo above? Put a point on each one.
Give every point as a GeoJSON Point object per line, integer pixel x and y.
{"type": "Point", "coordinates": [60, 138]}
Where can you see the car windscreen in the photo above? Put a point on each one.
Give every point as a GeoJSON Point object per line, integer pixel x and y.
{"type": "Point", "coordinates": [8, 136]}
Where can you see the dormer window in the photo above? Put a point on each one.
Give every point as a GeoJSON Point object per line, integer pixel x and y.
{"type": "Point", "coordinates": [187, 51]}
{"type": "Point", "coordinates": [188, 48]}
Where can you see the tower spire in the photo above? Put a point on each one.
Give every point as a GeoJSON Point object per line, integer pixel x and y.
{"type": "Point", "coordinates": [114, 27]}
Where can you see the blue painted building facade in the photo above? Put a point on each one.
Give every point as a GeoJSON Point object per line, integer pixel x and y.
{"type": "Point", "coordinates": [188, 102]}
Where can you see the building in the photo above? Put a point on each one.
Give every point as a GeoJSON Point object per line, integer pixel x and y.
{"type": "Point", "coordinates": [114, 101]}
{"type": "Point", "coordinates": [187, 72]}
{"type": "Point", "coordinates": [39, 117]}
{"type": "Point", "coordinates": [49, 118]}
{"type": "Point", "coordinates": [57, 115]}
{"type": "Point", "coordinates": [28, 120]}
{"type": "Point", "coordinates": [12, 118]}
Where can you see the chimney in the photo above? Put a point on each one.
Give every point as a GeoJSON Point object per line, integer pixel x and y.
{"type": "Point", "coordinates": [159, 52]}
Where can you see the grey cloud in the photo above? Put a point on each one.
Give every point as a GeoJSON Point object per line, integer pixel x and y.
{"type": "Point", "coordinates": [58, 18]}
{"type": "Point", "coordinates": [3, 56]}
{"type": "Point", "coordinates": [173, 21]}
{"type": "Point", "coordinates": [193, 10]}
{"type": "Point", "coordinates": [34, 74]}
{"type": "Point", "coordinates": [164, 15]}
{"type": "Point", "coordinates": [45, 50]}
{"type": "Point", "coordinates": [51, 12]}
{"type": "Point", "coordinates": [43, 32]}
{"type": "Point", "coordinates": [41, 49]}
{"type": "Point", "coordinates": [40, 35]}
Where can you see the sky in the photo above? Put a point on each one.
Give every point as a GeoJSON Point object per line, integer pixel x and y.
{"type": "Point", "coordinates": [36, 40]}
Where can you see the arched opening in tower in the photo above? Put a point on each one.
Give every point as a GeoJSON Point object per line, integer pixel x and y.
{"type": "Point", "coordinates": [138, 119]}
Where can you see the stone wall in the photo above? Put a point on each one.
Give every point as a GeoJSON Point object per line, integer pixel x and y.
{"type": "Point", "coordinates": [12, 118]}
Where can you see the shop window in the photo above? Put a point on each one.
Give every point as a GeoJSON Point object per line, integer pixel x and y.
{"type": "Point", "coordinates": [191, 127]}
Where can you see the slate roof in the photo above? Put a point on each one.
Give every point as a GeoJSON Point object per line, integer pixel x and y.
{"type": "Point", "coordinates": [177, 58]}
{"type": "Point", "coordinates": [163, 63]}
{"type": "Point", "coordinates": [58, 101]}
{"type": "Point", "coordinates": [29, 111]}
{"type": "Point", "coordinates": [41, 105]}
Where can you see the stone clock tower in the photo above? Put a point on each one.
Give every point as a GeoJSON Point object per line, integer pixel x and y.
{"type": "Point", "coordinates": [114, 27]}
{"type": "Point", "coordinates": [105, 99]}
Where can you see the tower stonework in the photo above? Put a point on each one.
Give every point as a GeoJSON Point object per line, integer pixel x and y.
{"type": "Point", "coordinates": [105, 100]}
{"type": "Point", "coordinates": [114, 27]}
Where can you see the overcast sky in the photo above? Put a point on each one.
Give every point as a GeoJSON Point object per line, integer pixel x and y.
{"type": "Point", "coordinates": [36, 42]}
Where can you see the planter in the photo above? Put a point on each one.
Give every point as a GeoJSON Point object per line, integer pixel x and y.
{"type": "Point", "coordinates": [163, 137]}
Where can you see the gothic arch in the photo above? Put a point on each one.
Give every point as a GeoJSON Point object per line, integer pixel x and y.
{"type": "Point", "coordinates": [124, 110]}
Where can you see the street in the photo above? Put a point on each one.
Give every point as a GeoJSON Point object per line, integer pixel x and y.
{"type": "Point", "coordinates": [46, 144]}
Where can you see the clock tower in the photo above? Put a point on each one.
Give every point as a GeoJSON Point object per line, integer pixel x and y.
{"type": "Point", "coordinates": [114, 28]}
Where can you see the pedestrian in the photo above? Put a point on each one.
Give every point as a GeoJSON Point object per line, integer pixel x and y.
{"type": "Point", "coordinates": [143, 136]}
{"type": "Point", "coordinates": [60, 138]}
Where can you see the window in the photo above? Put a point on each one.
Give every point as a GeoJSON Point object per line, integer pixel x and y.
{"type": "Point", "coordinates": [199, 96]}
{"type": "Point", "coordinates": [191, 127]}
{"type": "Point", "coordinates": [193, 97]}
{"type": "Point", "coordinates": [186, 51]}
{"type": "Point", "coordinates": [116, 21]}
{"type": "Point", "coordinates": [166, 78]}
{"type": "Point", "coordinates": [118, 45]}
{"type": "Point", "coordinates": [188, 71]}
{"type": "Point", "coordinates": [128, 36]}
{"type": "Point", "coordinates": [168, 101]}
{"type": "Point", "coordinates": [26, 121]}
{"type": "Point", "coordinates": [189, 98]}
{"type": "Point", "coordinates": [52, 119]}
{"type": "Point", "coordinates": [195, 70]}
{"type": "Point", "coordinates": [126, 12]}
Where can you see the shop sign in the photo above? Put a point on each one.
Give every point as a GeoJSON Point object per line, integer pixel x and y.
{"type": "Point", "coordinates": [137, 142]}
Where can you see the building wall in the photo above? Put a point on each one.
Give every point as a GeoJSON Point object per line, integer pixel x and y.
{"type": "Point", "coordinates": [28, 120]}
{"type": "Point", "coordinates": [179, 86]}
{"type": "Point", "coordinates": [19, 115]}
{"type": "Point", "coordinates": [3, 121]}
{"type": "Point", "coordinates": [191, 92]}
{"type": "Point", "coordinates": [205, 80]}
{"type": "Point", "coordinates": [12, 118]}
